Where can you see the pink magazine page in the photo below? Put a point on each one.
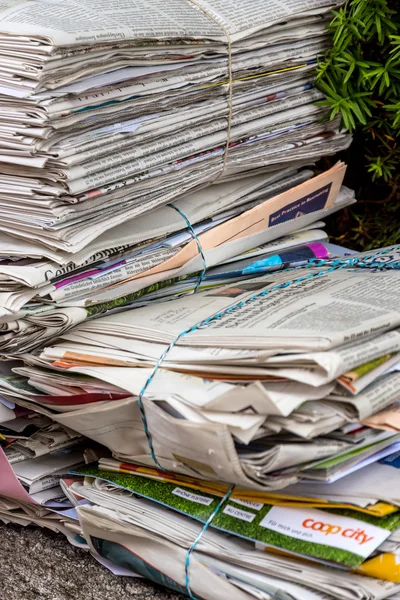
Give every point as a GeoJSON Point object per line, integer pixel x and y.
{"type": "Point", "coordinates": [9, 484]}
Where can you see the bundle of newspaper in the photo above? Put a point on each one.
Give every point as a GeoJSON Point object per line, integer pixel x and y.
{"type": "Point", "coordinates": [225, 96]}
{"type": "Point", "coordinates": [255, 383]}
{"type": "Point", "coordinates": [42, 297]}
{"type": "Point", "coordinates": [153, 523]}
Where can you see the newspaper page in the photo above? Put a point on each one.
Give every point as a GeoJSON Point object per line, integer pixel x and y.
{"type": "Point", "coordinates": [90, 22]}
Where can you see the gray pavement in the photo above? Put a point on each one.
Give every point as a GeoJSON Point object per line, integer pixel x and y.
{"type": "Point", "coordinates": [37, 564]}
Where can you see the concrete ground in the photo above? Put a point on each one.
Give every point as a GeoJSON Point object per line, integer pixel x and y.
{"type": "Point", "coordinates": [37, 564]}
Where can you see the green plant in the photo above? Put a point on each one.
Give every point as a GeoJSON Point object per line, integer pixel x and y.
{"type": "Point", "coordinates": [360, 76]}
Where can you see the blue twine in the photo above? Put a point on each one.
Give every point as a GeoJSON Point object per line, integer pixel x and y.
{"type": "Point", "coordinates": [334, 265]}
{"type": "Point", "coordinates": [354, 261]}
{"type": "Point", "coordinates": [199, 246]}
{"type": "Point", "coordinates": [198, 537]}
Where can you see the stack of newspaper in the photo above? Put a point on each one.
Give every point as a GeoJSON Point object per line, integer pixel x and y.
{"type": "Point", "coordinates": [258, 417]}
{"type": "Point", "coordinates": [228, 423]}
{"type": "Point", "coordinates": [85, 187]}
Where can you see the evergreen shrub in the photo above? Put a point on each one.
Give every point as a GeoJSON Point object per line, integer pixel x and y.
{"type": "Point", "coordinates": [360, 76]}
